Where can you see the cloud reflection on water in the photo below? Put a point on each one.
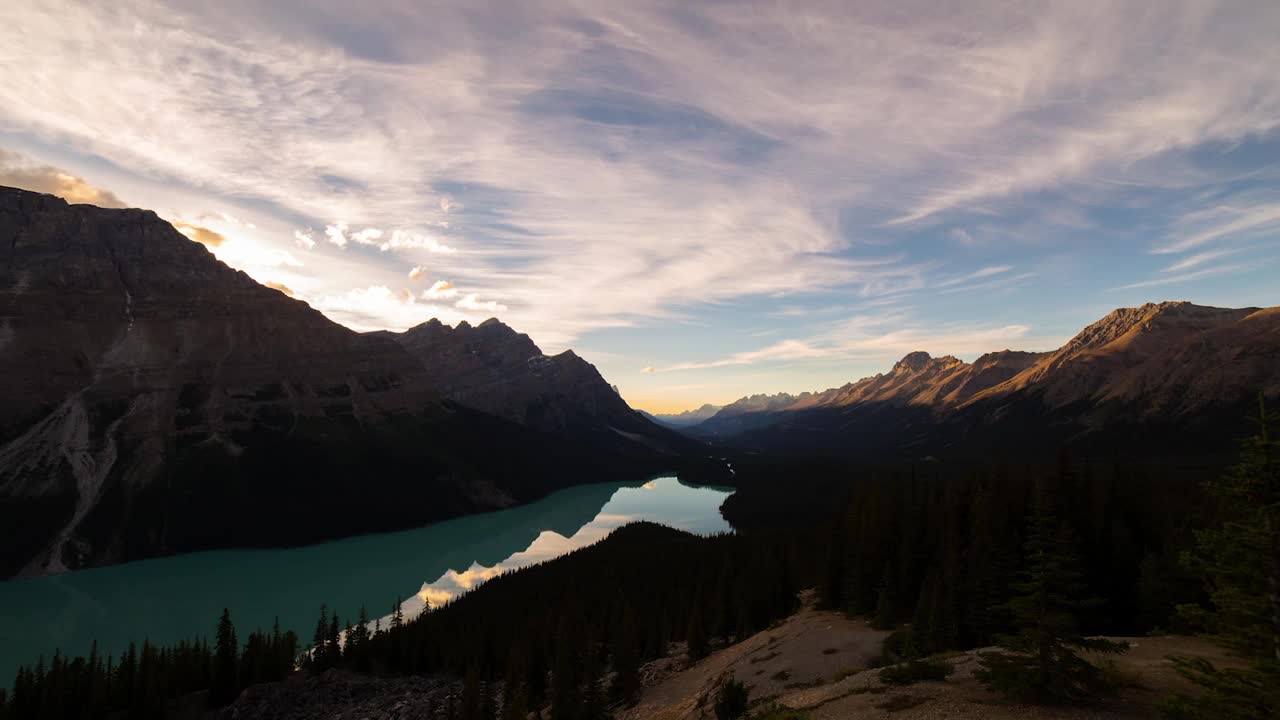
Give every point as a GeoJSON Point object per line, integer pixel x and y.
{"type": "Point", "coordinates": [655, 501]}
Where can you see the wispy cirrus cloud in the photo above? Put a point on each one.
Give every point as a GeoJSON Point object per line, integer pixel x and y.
{"type": "Point", "coordinates": [605, 148]}
{"type": "Point", "coordinates": [1224, 222]}
{"type": "Point", "coordinates": [975, 275]}
{"type": "Point", "coordinates": [781, 351]}
{"type": "Point", "coordinates": [599, 170]}
{"type": "Point", "coordinates": [1198, 259]}
{"type": "Point", "coordinates": [1210, 272]}
{"type": "Point", "coordinates": [1005, 282]}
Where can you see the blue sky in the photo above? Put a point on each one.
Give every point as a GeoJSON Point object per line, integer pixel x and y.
{"type": "Point", "coordinates": [706, 200]}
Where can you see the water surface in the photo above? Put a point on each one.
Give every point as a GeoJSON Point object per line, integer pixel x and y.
{"type": "Point", "coordinates": [173, 598]}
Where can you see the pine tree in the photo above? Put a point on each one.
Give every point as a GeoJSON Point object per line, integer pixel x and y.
{"type": "Point", "coordinates": [565, 697]}
{"type": "Point", "coordinates": [358, 639]}
{"type": "Point", "coordinates": [698, 646]}
{"type": "Point", "coordinates": [885, 615]}
{"type": "Point", "coordinates": [928, 631]}
{"type": "Point", "coordinates": [1240, 562]}
{"type": "Point", "coordinates": [332, 641]}
{"type": "Point", "coordinates": [593, 699]}
{"type": "Point", "coordinates": [397, 615]}
{"type": "Point", "coordinates": [1040, 663]}
{"type": "Point", "coordinates": [626, 659]}
{"type": "Point", "coordinates": [985, 577]}
{"type": "Point", "coordinates": [225, 681]}
{"type": "Point", "coordinates": [471, 692]}
{"type": "Point", "coordinates": [488, 702]}
{"type": "Point", "coordinates": [316, 658]}
{"type": "Point", "coordinates": [515, 689]}
{"type": "Point", "coordinates": [831, 595]}
{"type": "Point", "coordinates": [732, 700]}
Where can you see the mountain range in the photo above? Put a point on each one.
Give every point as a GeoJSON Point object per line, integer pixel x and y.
{"type": "Point", "coordinates": [1163, 379]}
{"type": "Point", "coordinates": [157, 401]}
{"type": "Point", "coordinates": [686, 418]}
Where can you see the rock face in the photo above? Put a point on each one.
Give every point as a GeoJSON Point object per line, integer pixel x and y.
{"type": "Point", "coordinates": [1162, 378]}
{"type": "Point", "coordinates": [496, 370]}
{"type": "Point", "coordinates": [157, 401]}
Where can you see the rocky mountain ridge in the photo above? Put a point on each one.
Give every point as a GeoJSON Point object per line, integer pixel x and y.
{"type": "Point", "coordinates": [158, 401]}
{"type": "Point", "coordinates": [494, 369]}
{"type": "Point", "coordinates": [1169, 374]}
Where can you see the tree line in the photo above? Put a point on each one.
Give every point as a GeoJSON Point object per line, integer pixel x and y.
{"type": "Point", "coordinates": [143, 681]}
{"type": "Point", "coordinates": [546, 635]}
{"type": "Point", "coordinates": [1035, 561]}
{"type": "Point", "coordinates": [1041, 564]}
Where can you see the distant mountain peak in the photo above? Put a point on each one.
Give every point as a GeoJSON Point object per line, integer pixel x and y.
{"type": "Point", "coordinates": [913, 361]}
{"type": "Point", "coordinates": [492, 322]}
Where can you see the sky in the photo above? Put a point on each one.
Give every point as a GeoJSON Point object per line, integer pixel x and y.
{"type": "Point", "coordinates": [705, 200]}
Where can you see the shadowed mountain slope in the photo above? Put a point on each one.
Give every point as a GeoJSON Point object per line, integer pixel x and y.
{"type": "Point", "coordinates": [157, 401]}
{"type": "Point", "coordinates": [496, 370]}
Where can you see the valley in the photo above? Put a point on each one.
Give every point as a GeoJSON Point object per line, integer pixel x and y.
{"type": "Point", "coordinates": [183, 443]}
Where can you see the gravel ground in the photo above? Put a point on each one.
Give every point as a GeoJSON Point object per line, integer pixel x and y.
{"type": "Point", "coordinates": [815, 661]}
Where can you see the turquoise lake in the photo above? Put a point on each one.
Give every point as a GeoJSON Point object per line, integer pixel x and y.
{"type": "Point", "coordinates": [172, 598]}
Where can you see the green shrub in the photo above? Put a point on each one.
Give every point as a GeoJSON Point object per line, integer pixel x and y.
{"type": "Point", "coordinates": [732, 700]}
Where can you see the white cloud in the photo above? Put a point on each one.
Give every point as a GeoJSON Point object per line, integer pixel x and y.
{"type": "Point", "coordinates": [339, 233]}
{"type": "Point", "coordinates": [379, 307]}
{"type": "Point", "coordinates": [417, 272]}
{"type": "Point", "coordinates": [472, 302]}
{"type": "Point", "coordinates": [336, 233]}
{"type": "Point", "coordinates": [368, 236]}
{"type": "Point", "coordinates": [440, 290]}
{"type": "Point", "coordinates": [304, 239]}
{"type": "Point", "coordinates": [405, 240]}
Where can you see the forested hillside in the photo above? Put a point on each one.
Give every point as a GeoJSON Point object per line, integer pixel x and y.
{"type": "Point", "coordinates": [913, 547]}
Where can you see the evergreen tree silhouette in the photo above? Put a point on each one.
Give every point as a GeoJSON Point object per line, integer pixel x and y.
{"type": "Point", "coordinates": [626, 658]}
{"type": "Point", "coordinates": [225, 682]}
{"type": "Point", "coordinates": [1040, 663]}
{"type": "Point", "coordinates": [565, 696]}
{"type": "Point", "coordinates": [1240, 562]}
{"type": "Point", "coordinates": [696, 635]}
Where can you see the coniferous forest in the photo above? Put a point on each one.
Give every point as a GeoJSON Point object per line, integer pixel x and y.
{"type": "Point", "coordinates": [1033, 560]}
